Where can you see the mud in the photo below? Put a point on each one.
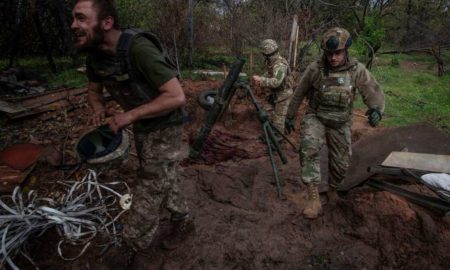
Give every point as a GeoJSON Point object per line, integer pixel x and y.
{"type": "Point", "coordinates": [242, 224]}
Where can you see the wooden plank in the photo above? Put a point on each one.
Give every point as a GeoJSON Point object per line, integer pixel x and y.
{"type": "Point", "coordinates": [418, 161]}
{"type": "Point", "coordinates": [11, 107]}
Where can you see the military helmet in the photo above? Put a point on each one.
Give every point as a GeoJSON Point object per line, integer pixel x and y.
{"type": "Point", "coordinates": [268, 46]}
{"type": "Point", "coordinates": [101, 146]}
{"type": "Point", "coordinates": [336, 39]}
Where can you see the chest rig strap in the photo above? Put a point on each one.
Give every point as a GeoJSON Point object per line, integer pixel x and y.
{"type": "Point", "coordinates": [123, 53]}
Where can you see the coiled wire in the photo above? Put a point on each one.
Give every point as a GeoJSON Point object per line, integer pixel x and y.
{"type": "Point", "coordinates": [85, 210]}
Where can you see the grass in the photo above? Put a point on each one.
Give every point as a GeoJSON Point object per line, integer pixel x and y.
{"type": "Point", "coordinates": [413, 96]}
{"type": "Point", "coordinates": [68, 78]}
{"type": "Point", "coordinates": [66, 75]}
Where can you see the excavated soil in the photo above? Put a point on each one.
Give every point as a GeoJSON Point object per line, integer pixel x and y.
{"type": "Point", "coordinates": [242, 224]}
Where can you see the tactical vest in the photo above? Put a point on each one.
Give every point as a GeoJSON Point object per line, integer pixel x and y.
{"type": "Point", "coordinates": [334, 98]}
{"type": "Point", "coordinates": [127, 87]}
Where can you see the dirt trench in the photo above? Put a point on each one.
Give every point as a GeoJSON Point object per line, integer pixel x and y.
{"type": "Point", "coordinates": [242, 224]}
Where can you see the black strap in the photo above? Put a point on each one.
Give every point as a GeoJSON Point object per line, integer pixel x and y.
{"type": "Point", "coordinates": [123, 49]}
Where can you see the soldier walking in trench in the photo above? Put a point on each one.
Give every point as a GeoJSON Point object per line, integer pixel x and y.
{"type": "Point", "coordinates": [330, 86]}
{"type": "Point", "coordinates": [135, 70]}
{"type": "Point", "coordinates": [276, 80]}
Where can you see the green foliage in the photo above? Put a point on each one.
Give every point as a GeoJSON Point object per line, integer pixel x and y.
{"type": "Point", "coordinates": [413, 96]}
{"type": "Point", "coordinates": [372, 35]}
{"type": "Point", "coordinates": [394, 61]}
{"type": "Point", "coordinates": [137, 13]}
{"type": "Point", "coordinates": [212, 61]}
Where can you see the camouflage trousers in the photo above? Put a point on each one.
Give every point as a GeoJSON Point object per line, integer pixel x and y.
{"type": "Point", "coordinates": [313, 135]}
{"type": "Point", "coordinates": [157, 185]}
{"type": "Point", "coordinates": [280, 108]}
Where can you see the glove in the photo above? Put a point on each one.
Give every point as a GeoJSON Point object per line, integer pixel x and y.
{"type": "Point", "coordinates": [289, 125]}
{"type": "Point", "coordinates": [374, 116]}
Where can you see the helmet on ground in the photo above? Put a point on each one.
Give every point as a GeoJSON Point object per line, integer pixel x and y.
{"type": "Point", "coordinates": [336, 39]}
{"type": "Point", "coordinates": [268, 46]}
{"type": "Point", "coordinates": [101, 146]}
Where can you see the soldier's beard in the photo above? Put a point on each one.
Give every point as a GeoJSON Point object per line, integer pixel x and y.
{"type": "Point", "coordinates": [93, 43]}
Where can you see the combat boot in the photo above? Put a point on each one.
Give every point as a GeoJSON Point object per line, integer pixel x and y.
{"type": "Point", "coordinates": [313, 206]}
{"type": "Point", "coordinates": [181, 230]}
{"type": "Point", "coordinates": [332, 196]}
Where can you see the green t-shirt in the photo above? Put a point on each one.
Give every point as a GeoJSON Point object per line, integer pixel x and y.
{"type": "Point", "coordinates": [147, 59]}
{"type": "Point", "coordinates": [150, 67]}
{"type": "Point", "coordinates": [150, 62]}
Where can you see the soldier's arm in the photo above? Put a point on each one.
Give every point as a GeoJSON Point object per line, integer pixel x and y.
{"type": "Point", "coordinates": [300, 92]}
{"type": "Point", "coordinates": [95, 101]}
{"type": "Point", "coordinates": [279, 72]}
{"type": "Point", "coordinates": [153, 67]}
{"type": "Point", "coordinates": [171, 97]}
{"type": "Point", "coordinates": [151, 63]}
{"type": "Point", "coordinates": [369, 88]}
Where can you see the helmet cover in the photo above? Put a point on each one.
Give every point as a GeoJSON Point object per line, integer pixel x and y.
{"type": "Point", "coordinates": [336, 39]}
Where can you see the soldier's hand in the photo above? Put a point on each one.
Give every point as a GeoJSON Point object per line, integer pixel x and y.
{"type": "Point", "coordinates": [256, 80]}
{"type": "Point", "coordinates": [119, 121]}
{"type": "Point", "coordinates": [289, 125]}
{"type": "Point", "coordinates": [373, 116]}
{"type": "Point", "coordinates": [98, 118]}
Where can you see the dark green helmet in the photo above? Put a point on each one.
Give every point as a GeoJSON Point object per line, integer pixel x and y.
{"type": "Point", "coordinates": [336, 39]}
{"type": "Point", "coordinates": [102, 146]}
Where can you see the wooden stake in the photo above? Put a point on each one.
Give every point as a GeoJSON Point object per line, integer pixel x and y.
{"type": "Point", "coordinates": [294, 61]}
{"type": "Point", "coordinates": [292, 40]}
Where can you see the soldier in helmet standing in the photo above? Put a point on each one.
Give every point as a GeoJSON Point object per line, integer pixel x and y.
{"type": "Point", "coordinates": [275, 80]}
{"type": "Point", "coordinates": [330, 85]}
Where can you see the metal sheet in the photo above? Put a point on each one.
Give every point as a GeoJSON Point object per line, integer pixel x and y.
{"type": "Point", "coordinates": [372, 149]}
{"type": "Point", "coordinates": [418, 161]}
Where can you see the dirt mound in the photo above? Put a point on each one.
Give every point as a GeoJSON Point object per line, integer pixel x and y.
{"type": "Point", "coordinates": [242, 224]}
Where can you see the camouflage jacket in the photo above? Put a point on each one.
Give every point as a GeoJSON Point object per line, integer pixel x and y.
{"type": "Point", "coordinates": [361, 80]}
{"type": "Point", "coordinates": [275, 78]}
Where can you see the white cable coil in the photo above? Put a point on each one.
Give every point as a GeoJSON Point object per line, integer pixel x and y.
{"type": "Point", "coordinates": [87, 209]}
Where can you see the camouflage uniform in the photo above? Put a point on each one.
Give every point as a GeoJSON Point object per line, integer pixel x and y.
{"type": "Point", "coordinates": [158, 140]}
{"type": "Point", "coordinates": [328, 117]}
{"type": "Point", "coordinates": [275, 80]}
{"type": "Point", "coordinates": [159, 155]}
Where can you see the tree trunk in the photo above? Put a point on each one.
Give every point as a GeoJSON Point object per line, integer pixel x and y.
{"type": "Point", "coordinates": [292, 42]}
{"type": "Point", "coordinates": [37, 21]}
{"type": "Point", "coordinates": [60, 12]}
{"type": "Point", "coordinates": [190, 33]}
{"type": "Point", "coordinates": [436, 51]}
{"type": "Point", "coordinates": [21, 7]}
{"type": "Point", "coordinates": [405, 39]}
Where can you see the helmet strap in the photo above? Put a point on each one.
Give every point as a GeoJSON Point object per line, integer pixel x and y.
{"type": "Point", "coordinates": [271, 54]}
